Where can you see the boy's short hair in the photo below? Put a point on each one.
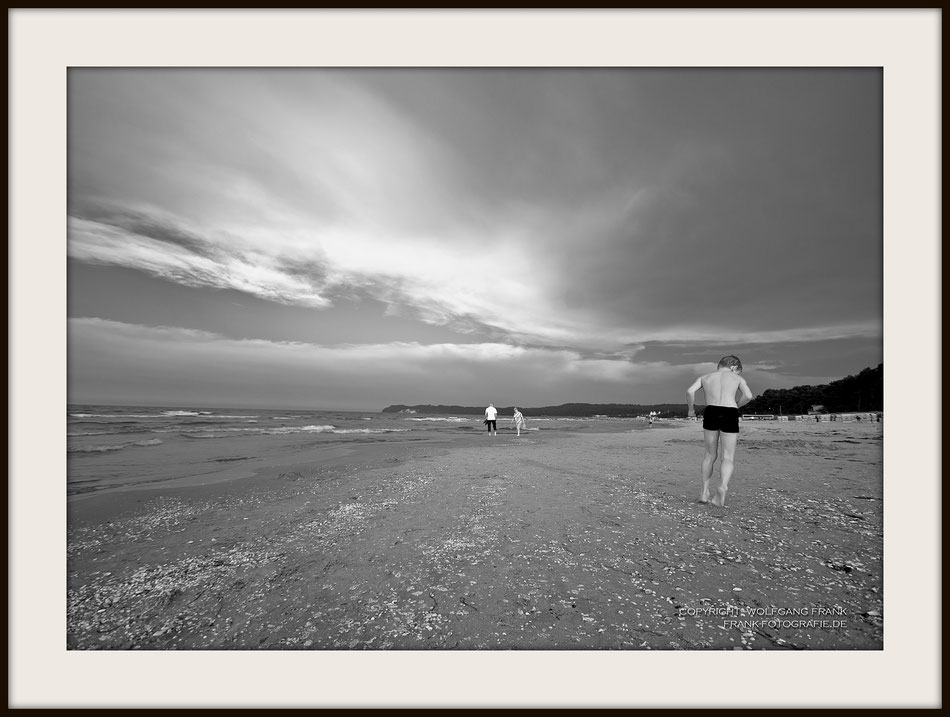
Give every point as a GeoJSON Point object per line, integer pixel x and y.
{"type": "Point", "coordinates": [729, 362]}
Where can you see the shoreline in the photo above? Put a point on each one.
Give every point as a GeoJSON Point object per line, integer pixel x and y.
{"type": "Point", "coordinates": [573, 541]}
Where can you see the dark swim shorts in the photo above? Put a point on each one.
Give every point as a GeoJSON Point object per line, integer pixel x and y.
{"type": "Point", "coordinates": [721, 418]}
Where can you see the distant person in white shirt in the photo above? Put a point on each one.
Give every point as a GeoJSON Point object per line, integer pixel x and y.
{"type": "Point", "coordinates": [518, 420]}
{"type": "Point", "coordinates": [491, 415]}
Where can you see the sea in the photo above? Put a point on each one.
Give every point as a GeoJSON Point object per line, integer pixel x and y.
{"type": "Point", "coordinates": [116, 447]}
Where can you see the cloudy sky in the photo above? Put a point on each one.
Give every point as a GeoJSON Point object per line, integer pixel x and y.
{"type": "Point", "coordinates": [354, 238]}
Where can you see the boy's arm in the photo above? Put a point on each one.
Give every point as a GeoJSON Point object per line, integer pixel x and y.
{"type": "Point", "coordinates": [691, 396]}
{"type": "Point", "coordinates": [746, 393]}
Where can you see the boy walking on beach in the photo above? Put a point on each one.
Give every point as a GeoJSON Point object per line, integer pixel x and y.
{"type": "Point", "coordinates": [720, 421]}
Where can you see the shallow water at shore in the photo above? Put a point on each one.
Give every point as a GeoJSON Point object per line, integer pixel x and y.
{"type": "Point", "coordinates": [113, 447]}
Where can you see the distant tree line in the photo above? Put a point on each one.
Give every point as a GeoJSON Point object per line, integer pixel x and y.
{"type": "Point", "coordinates": [864, 392]}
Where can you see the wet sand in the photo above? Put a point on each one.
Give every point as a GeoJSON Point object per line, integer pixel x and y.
{"type": "Point", "coordinates": [549, 541]}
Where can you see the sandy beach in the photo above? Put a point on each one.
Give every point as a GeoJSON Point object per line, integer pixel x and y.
{"type": "Point", "coordinates": [569, 541]}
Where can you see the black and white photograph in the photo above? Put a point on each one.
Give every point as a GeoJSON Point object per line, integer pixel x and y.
{"type": "Point", "coordinates": [295, 295]}
{"type": "Point", "coordinates": [487, 359]}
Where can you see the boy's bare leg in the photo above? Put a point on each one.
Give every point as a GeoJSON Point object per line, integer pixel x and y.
{"type": "Point", "coordinates": [728, 441]}
{"type": "Point", "coordinates": [711, 442]}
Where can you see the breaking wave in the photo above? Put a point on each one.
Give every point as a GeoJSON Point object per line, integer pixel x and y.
{"type": "Point", "coordinates": [106, 449]}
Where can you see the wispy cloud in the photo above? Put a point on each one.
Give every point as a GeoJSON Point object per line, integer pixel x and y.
{"type": "Point", "coordinates": [470, 288]}
{"type": "Point", "coordinates": [200, 262]}
{"type": "Point", "coordinates": [494, 284]}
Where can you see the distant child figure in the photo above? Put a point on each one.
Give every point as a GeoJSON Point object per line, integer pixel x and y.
{"type": "Point", "coordinates": [720, 421]}
{"type": "Point", "coordinates": [491, 415]}
{"type": "Point", "coordinates": [518, 420]}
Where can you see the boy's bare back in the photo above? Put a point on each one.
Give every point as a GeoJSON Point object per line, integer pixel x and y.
{"type": "Point", "coordinates": [720, 421]}
{"type": "Point", "coordinates": [720, 387]}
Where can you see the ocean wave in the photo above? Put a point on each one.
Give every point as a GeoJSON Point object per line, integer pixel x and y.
{"type": "Point", "coordinates": [228, 432]}
{"type": "Point", "coordinates": [449, 419]}
{"type": "Point", "coordinates": [253, 430]}
{"type": "Point", "coordinates": [163, 414]}
{"type": "Point", "coordinates": [106, 449]}
{"type": "Point", "coordinates": [70, 434]}
{"type": "Point", "coordinates": [104, 428]}
{"type": "Point", "coordinates": [372, 430]}
{"type": "Point", "coordinates": [113, 415]}
{"type": "Point", "coordinates": [192, 431]}
{"type": "Point", "coordinates": [298, 429]}
{"type": "Point", "coordinates": [95, 449]}
{"type": "Point", "coordinates": [111, 426]}
{"type": "Point", "coordinates": [285, 431]}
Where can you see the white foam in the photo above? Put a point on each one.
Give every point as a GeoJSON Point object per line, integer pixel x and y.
{"type": "Point", "coordinates": [449, 419]}
{"type": "Point", "coordinates": [283, 430]}
{"type": "Point", "coordinates": [372, 430]}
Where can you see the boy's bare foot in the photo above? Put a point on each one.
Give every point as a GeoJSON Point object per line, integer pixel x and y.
{"type": "Point", "coordinates": [704, 498]}
{"type": "Point", "coordinates": [719, 500]}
